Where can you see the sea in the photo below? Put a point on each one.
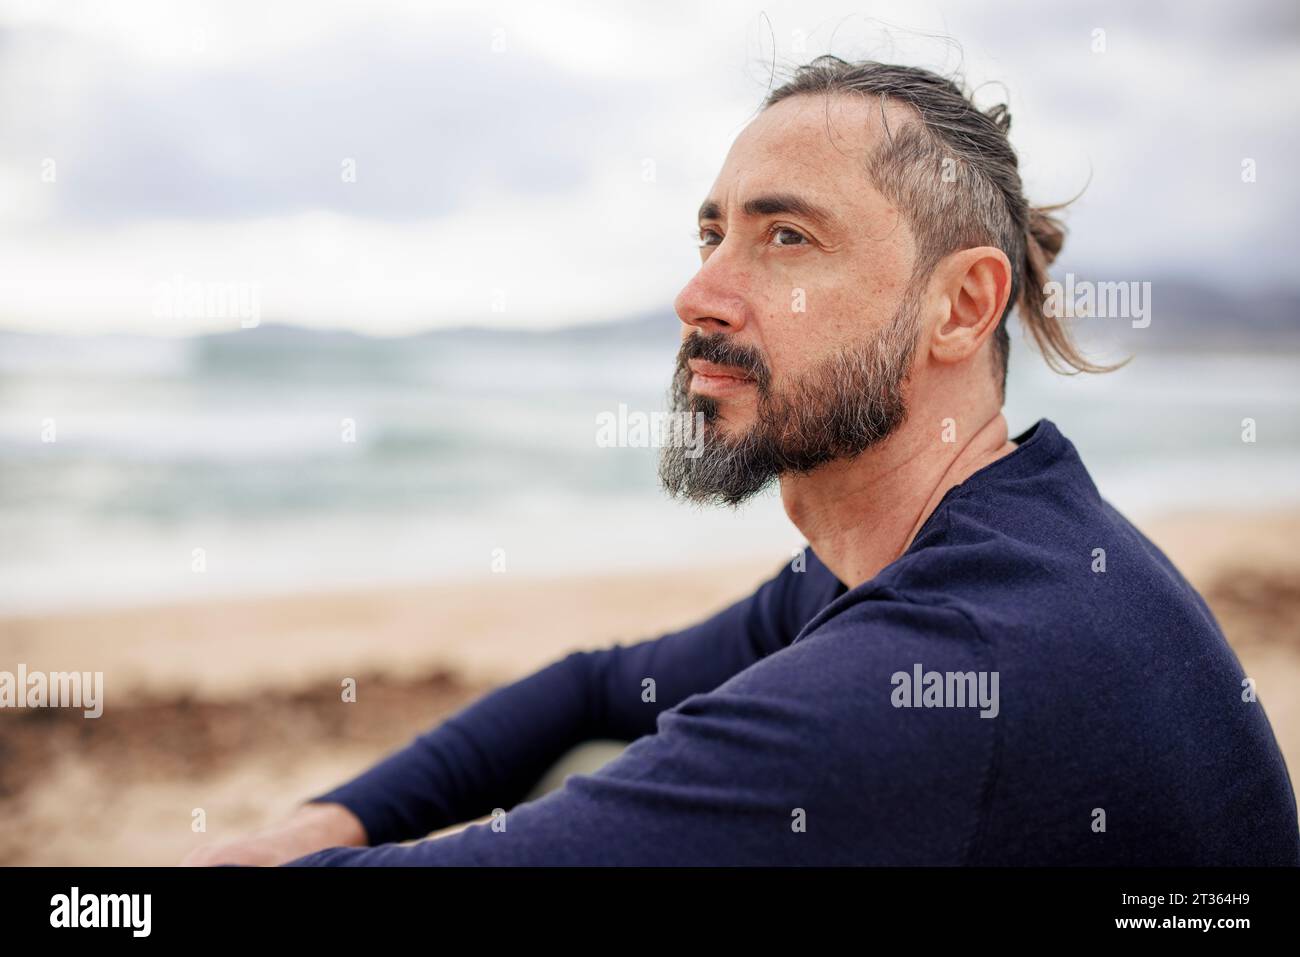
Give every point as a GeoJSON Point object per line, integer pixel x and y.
{"type": "Point", "coordinates": [141, 470]}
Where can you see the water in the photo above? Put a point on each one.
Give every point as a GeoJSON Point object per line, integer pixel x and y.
{"type": "Point", "coordinates": [472, 451]}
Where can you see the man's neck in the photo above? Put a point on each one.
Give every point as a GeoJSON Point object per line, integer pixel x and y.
{"type": "Point", "coordinates": [861, 515]}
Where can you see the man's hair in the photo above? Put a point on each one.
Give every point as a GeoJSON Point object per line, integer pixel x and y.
{"type": "Point", "coordinates": [980, 204]}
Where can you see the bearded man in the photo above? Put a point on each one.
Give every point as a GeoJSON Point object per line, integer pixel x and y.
{"type": "Point", "coordinates": [977, 660]}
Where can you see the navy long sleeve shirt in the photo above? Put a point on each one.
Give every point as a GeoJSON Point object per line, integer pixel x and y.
{"type": "Point", "coordinates": [1031, 682]}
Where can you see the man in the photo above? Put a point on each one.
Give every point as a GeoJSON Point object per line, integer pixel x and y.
{"type": "Point", "coordinates": [976, 661]}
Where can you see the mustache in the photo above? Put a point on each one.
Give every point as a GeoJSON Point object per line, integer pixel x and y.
{"type": "Point", "coordinates": [719, 348]}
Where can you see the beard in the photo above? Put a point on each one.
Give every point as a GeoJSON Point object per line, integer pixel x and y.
{"type": "Point", "coordinates": [837, 410]}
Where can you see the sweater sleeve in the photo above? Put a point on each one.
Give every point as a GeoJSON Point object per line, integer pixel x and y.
{"type": "Point", "coordinates": [491, 753]}
{"type": "Point", "coordinates": [804, 758]}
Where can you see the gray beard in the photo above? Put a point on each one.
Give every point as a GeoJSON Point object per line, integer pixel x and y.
{"type": "Point", "coordinates": [838, 410]}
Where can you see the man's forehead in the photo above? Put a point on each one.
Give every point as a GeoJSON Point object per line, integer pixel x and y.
{"type": "Point", "coordinates": [815, 145]}
{"type": "Point", "coordinates": [837, 123]}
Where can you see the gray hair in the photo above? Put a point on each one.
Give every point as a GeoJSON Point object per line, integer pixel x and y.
{"type": "Point", "coordinates": [989, 208]}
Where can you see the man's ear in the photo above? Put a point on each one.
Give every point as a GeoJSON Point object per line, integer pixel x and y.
{"type": "Point", "coordinates": [974, 286]}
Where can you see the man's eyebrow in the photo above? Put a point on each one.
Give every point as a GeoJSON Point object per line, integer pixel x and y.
{"type": "Point", "coordinates": [774, 204]}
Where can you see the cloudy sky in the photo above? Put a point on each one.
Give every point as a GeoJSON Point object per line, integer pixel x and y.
{"type": "Point", "coordinates": [390, 167]}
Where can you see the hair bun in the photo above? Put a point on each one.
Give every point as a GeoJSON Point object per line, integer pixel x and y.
{"type": "Point", "coordinates": [1047, 232]}
{"type": "Point", "coordinates": [1000, 115]}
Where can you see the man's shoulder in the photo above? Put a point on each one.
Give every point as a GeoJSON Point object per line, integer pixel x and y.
{"type": "Point", "coordinates": [1023, 557]}
{"type": "Point", "coordinates": [852, 648]}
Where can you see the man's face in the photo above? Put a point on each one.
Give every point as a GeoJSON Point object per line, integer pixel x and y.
{"type": "Point", "coordinates": [799, 327]}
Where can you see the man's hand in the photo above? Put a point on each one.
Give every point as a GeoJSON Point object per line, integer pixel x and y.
{"type": "Point", "coordinates": [313, 827]}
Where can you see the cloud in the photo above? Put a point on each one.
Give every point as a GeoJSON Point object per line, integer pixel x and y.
{"type": "Point", "coordinates": [552, 156]}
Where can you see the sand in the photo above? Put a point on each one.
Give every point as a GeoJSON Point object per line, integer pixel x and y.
{"type": "Point", "coordinates": [235, 709]}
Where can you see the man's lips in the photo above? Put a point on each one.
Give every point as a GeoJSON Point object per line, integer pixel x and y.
{"type": "Point", "coordinates": [709, 378]}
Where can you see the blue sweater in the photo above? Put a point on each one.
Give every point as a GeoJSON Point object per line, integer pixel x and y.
{"type": "Point", "coordinates": [1002, 693]}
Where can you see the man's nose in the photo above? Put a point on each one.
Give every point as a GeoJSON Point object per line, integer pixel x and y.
{"type": "Point", "coordinates": [714, 300]}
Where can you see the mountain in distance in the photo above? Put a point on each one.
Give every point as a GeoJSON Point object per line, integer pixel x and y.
{"type": "Point", "coordinates": [1185, 314]}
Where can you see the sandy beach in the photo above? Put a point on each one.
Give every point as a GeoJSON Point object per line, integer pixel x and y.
{"type": "Point", "coordinates": [235, 707]}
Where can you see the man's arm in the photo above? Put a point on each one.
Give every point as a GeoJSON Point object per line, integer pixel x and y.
{"type": "Point", "coordinates": [492, 753]}
{"type": "Point", "coordinates": [800, 759]}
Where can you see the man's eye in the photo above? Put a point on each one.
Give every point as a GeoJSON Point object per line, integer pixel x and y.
{"type": "Point", "coordinates": [786, 231]}
{"type": "Point", "coordinates": [709, 237]}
